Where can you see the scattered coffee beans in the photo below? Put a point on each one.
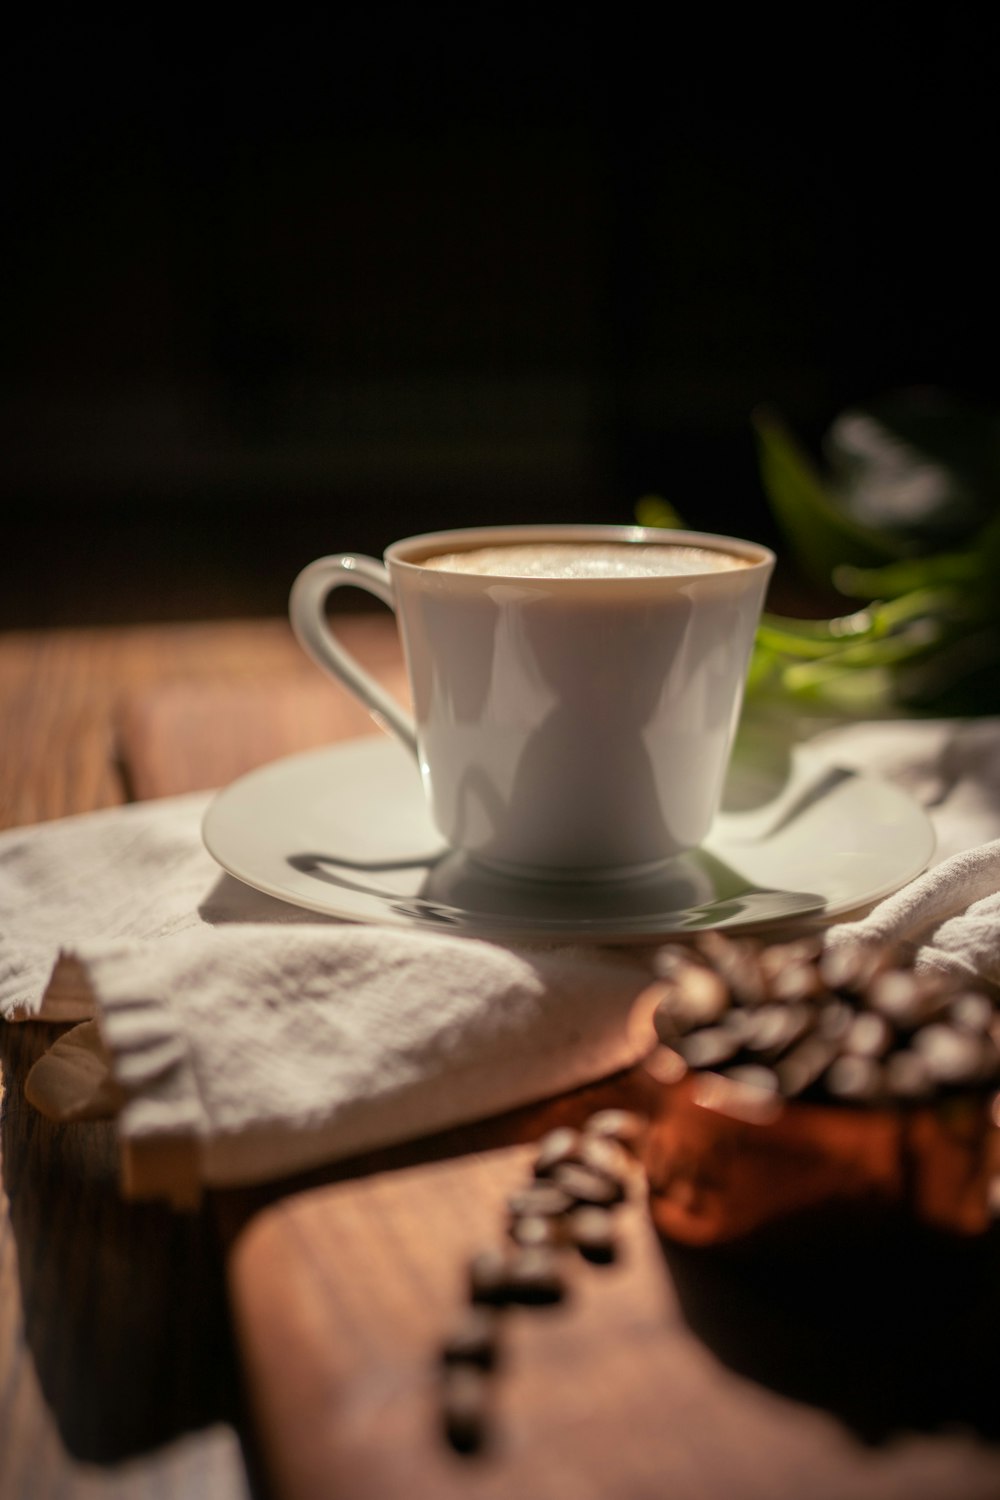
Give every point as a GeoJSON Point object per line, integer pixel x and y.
{"type": "Point", "coordinates": [620, 1125]}
{"type": "Point", "coordinates": [535, 1277]}
{"type": "Point", "coordinates": [578, 1179]}
{"type": "Point", "coordinates": [544, 1199]}
{"type": "Point", "coordinates": [587, 1186]}
{"type": "Point", "coordinates": [465, 1403]}
{"type": "Point", "coordinates": [536, 1231]}
{"type": "Point", "coordinates": [474, 1340]}
{"type": "Point", "coordinates": [489, 1276]}
{"type": "Point", "coordinates": [558, 1146]}
{"type": "Point", "coordinates": [592, 1231]}
{"type": "Point", "coordinates": [850, 1026]}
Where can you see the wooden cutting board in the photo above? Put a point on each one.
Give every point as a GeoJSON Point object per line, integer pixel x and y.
{"type": "Point", "coordinates": [667, 1373]}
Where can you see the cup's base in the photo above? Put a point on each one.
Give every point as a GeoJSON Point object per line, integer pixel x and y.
{"type": "Point", "coordinates": [597, 875]}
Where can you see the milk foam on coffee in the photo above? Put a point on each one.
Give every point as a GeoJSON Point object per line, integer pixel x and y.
{"type": "Point", "coordinates": [586, 560]}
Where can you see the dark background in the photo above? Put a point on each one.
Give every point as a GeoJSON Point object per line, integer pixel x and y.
{"type": "Point", "coordinates": [308, 284]}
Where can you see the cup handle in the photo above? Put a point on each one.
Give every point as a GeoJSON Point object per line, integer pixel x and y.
{"type": "Point", "coordinates": [307, 612]}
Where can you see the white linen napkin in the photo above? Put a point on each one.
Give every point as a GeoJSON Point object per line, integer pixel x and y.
{"type": "Point", "coordinates": [948, 919]}
{"type": "Point", "coordinates": [264, 1038]}
{"type": "Point", "coordinates": [248, 1039]}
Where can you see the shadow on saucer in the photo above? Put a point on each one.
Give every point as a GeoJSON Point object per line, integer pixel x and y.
{"type": "Point", "coordinates": [452, 890]}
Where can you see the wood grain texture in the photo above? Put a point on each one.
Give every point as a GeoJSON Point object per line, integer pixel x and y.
{"type": "Point", "coordinates": [623, 1393]}
{"type": "Point", "coordinates": [95, 717]}
{"type": "Point", "coordinates": [248, 720]}
{"type": "Point", "coordinates": [117, 1375]}
{"type": "Point", "coordinates": [671, 1373]}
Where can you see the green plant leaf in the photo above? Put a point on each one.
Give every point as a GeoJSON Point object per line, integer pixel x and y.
{"type": "Point", "coordinates": [653, 510]}
{"type": "Point", "coordinates": [820, 535]}
{"type": "Point", "coordinates": [814, 638]}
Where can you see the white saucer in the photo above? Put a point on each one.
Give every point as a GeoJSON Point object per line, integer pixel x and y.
{"type": "Point", "coordinates": [344, 831]}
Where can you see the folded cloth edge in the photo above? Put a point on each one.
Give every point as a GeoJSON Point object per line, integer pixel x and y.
{"type": "Point", "coordinates": [947, 919]}
{"type": "Point", "coordinates": [540, 1022]}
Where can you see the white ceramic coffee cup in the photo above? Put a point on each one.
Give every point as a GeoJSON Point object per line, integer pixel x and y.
{"type": "Point", "coordinates": [576, 726]}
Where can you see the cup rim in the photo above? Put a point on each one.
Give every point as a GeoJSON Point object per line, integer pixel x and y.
{"type": "Point", "coordinates": [400, 554]}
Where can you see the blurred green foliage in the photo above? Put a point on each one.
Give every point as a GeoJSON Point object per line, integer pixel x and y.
{"type": "Point", "coordinates": [905, 517]}
{"type": "Point", "coordinates": [902, 518]}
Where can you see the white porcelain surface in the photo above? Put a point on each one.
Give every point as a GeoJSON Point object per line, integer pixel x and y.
{"type": "Point", "coordinates": [561, 724]}
{"type": "Point", "coordinates": [345, 831]}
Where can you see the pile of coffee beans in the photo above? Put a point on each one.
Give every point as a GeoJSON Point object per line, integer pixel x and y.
{"type": "Point", "coordinates": [851, 1026]}
{"type": "Point", "coordinates": [566, 1208]}
{"type": "Point", "coordinates": [846, 1026]}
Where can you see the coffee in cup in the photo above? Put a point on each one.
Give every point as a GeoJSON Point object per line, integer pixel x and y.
{"type": "Point", "coordinates": [575, 689]}
{"type": "Point", "coordinates": [585, 560]}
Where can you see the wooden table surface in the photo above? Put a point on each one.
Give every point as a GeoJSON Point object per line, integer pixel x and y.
{"type": "Point", "coordinates": [279, 1343]}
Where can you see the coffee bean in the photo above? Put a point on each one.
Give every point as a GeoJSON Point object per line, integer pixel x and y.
{"type": "Point", "coordinates": [777, 957]}
{"type": "Point", "coordinates": [858, 1079]}
{"type": "Point", "coordinates": [535, 1278]}
{"type": "Point", "coordinates": [952, 1056]}
{"type": "Point", "coordinates": [971, 1010]}
{"type": "Point", "coordinates": [738, 964]}
{"type": "Point", "coordinates": [715, 946]}
{"type": "Point", "coordinates": [670, 958]}
{"type": "Point", "coordinates": [622, 1125]}
{"type": "Point", "coordinates": [907, 1076]}
{"type": "Point", "coordinates": [536, 1229]}
{"type": "Point", "coordinates": [709, 1048]}
{"type": "Point", "coordinates": [739, 1023]}
{"type": "Point", "coordinates": [489, 1275]}
{"type": "Point", "coordinates": [698, 997]}
{"type": "Point", "coordinates": [754, 1076]}
{"type": "Point", "coordinates": [559, 1145]}
{"type": "Point", "coordinates": [869, 1035]}
{"type": "Point", "coordinates": [906, 999]}
{"type": "Point", "coordinates": [592, 1231]}
{"type": "Point", "coordinates": [605, 1156]}
{"type": "Point", "coordinates": [800, 1068]}
{"type": "Point", "coordinates": [588, 1186]}
{"type": "Point", "coordinates": [539, 1198]}
{"type": "Point", "coordinates": [776, 1028]}
{"type": "Point", "coordinates": [834, 1020]}
{"type": "Point", "coordinates": [851, 968]}
{"type": "Point", "coordinates": [843, 968]}
{"type": "Point", "coordinates": [474, 1339]}
{"type": "Point", "coordinates": [465, 1406]}
{"type": "Point", "coordinates": [664, 1065]}
{"type": "Point", "coordinates": [800, 981]}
